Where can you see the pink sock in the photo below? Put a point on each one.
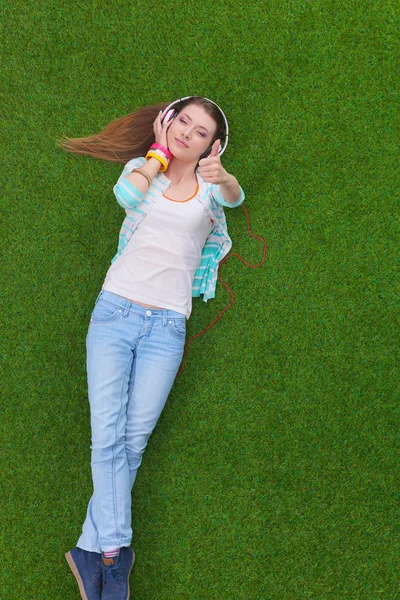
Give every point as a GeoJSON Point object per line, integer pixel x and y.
{"type": "Point", "coordinates": [111, 553]}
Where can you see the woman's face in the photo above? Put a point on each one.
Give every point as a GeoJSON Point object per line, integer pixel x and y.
{"type": "Point", "coordinates": [191, 133]}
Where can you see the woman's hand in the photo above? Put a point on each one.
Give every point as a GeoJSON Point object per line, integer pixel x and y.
{"type": "Point", "coordinates": [160, 131]}
{"type": "Point", "coordinates": [210, 168]}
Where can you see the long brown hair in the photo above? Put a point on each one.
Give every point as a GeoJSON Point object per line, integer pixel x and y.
{"type": "Point", "coordinates": [131, 136]}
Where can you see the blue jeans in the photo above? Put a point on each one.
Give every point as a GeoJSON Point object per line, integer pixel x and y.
{"type": "Point", "coordinates": [133, 355]}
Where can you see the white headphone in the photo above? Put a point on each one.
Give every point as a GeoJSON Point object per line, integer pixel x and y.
{"type": "Point", "coordinates": [170, 113]}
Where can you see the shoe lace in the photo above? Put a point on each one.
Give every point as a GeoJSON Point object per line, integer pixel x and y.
{"type": "Point", "coordinates": [112, 572]}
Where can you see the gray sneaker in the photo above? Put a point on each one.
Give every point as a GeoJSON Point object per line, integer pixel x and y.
{"type": "Point", "coordinates": [116, 572]}
{"type": "Point", "coordinates": [86, 566]}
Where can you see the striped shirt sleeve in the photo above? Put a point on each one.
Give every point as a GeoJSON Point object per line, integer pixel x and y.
{"type": "Point", "coordinates": [127, 195]}
{"type": "Point", "coordinates": [216, 194]}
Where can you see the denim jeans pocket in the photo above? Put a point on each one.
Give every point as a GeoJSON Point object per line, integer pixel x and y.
{"type": "Point", "coordinates": [177, 328]}
{"type": "Point", "coordinates": [105, 312]}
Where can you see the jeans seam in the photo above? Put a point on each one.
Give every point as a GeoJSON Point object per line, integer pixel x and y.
{"type": "Point", "coordinates": [113, 468]}
{"type": "Point", "coordinates": [130, 389]}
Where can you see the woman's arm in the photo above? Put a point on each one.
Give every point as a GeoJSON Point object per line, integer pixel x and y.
{"type": "Point", "coordinates": [227, 190]}
{"type": "Point", "coordinates": [220, 198]}
{"type": "Point", "coordinates": [132, 187]}
{"type": "Point", "coordinates": [230, 189]}
{"type": "Point", "coordinates": [151, 167]}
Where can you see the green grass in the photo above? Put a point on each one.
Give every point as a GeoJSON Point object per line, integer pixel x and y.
{"type": "Point", "coordinates": [271, 472]}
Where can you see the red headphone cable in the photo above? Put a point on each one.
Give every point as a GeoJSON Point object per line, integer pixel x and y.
{"type": "Point", "coordinates": [257, 237]}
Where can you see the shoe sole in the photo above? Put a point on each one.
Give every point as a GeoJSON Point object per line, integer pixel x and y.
{"type": "Point", "coordinates": [75, 571]}
{"type": "Point", "coordinates": [78, 578]}
{"type": "Point", "coordinates": [129, 574]}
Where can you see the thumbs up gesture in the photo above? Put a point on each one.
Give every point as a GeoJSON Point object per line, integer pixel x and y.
{"type": "Point", "coordinates": [210, 168]}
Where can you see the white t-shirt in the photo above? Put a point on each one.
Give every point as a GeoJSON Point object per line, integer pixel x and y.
{"type": "Point", "coordinates": [158, 264]}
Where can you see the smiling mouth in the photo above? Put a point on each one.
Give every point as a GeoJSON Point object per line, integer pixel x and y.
{"type": "Point", "coordinates": [181, 143]}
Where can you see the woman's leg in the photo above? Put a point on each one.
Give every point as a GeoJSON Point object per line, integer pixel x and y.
{"type": "Point", "coordinates": [111, 341]}
{"type": "Point", "coordinates": [133, 357]}
{"type": "Point", "coordinates": [156, 363]}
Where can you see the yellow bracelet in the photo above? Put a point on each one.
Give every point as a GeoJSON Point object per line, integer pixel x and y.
{"type": "Point", "coordinates": [159, 157]}
{"type": "Point", "coordinates": [160, 153]}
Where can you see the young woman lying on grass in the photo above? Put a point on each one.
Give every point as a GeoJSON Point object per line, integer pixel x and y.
{"type": "Point", "coordinates": [173, 188]}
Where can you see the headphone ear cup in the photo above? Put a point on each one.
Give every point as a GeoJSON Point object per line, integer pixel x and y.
{"type": "Point", "coordinates": [171, 114]}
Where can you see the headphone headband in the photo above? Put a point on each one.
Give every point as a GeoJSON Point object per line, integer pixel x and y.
{"type": "Point", "coordinates": [170, 106]}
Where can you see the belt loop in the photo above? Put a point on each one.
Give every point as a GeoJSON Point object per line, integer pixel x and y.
{"type": "Point", "coordinates": [127, 307]}
{"type": "Point", "coordinates": [164, 317]}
